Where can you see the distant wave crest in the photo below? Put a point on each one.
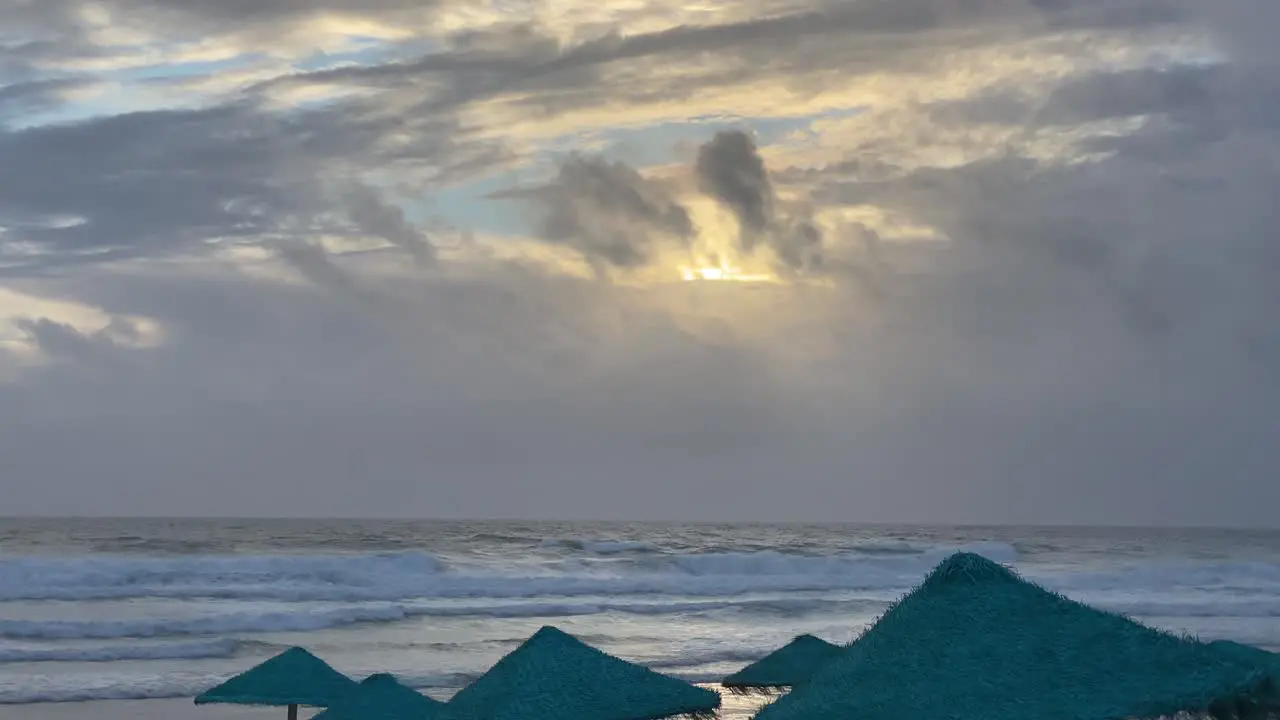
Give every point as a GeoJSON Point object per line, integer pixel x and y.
{"type": "Point", "coordinates": [307, 619]}
{"type": "Point", "coordinates": [403, 576]}
{"type": "Point", "coordinates": [220, 648]}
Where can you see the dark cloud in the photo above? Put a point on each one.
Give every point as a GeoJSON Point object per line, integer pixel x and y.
{"type": "Point", "coordinates": [60, 339]}
{"type": "Point", "coordinates": [1178, 91]}
{"type": "Point", "coordinates": [798, 244]}
{"type": "Point", "coordinates": [730, 169]}
{"type": "Point", "coordinates": [611, 213]}
{"type": "Point", "coordinates": [148, 181]}
{"type": "Point", "coordinates": [475, 380]}
{"type": "Point", "coordinates": [21, 98]}
{"type": "Point", "coordinates": [373, 215]}
{"type": "Point", "coordinates": [849, 39]}
{"type": "Point", "coordinates": [1094, 340]}
{"type": "Point", "coordinates": [1168, 224]}
{"type": "Point", "coordinates": [314, 264]}
{"type": "Point", "coordinates": [168, 181]}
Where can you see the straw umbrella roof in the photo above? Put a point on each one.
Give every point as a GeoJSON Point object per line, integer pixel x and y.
{"type": "Point", "coordinates": [553, 676]}
{"type": "Point", "coordinates": [783, 667]}
{"type": "Point", "coordinates": [1248, 653]}
{"type": "Point", "coordinates": [294, 677]}
{"type": "Point", "coordinates": [975, 641]}
{"type": "Point", "coordinates": [382, 697]}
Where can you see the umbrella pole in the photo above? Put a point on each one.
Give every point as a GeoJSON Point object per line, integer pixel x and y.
{"type": "Point", "coordinates": [293, 712]}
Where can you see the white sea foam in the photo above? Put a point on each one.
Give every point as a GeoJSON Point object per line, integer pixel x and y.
{"type": "Point", "coordinates": [601, 547]}
{"type": "Point", "coordinates": [180, 623]}
{"type": "Point", "coordinates": [155, 685]}
{"type": "Point", "coordinates": [1171, 575]}
{"type": "Point", "coordinates": [305, 618]}
{"type": "Point", "coordinates": [400, 576]}
{"type": "Point", "coordinates": [1201, 608]}
{"type": "Point", "coordinates": [216, 624]}
{"type": "Point", "coordinates": [220, 648]}
{"type": "Point", "coordinates": [54, 690]}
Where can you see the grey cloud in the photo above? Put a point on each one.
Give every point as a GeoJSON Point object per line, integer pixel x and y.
{"type": "Point", "coordinates": [373, 215]}
{"type": "Point", "coordinates": [35, 95]}
{"type": "Point", "coordinates": [1087, 14]}
{"type": "Point", "coordinates": [314, 263]}
{"type": "Point", "coordinates": [730, 169]}
{"type": "Point", "coordinates": [1170, 91]}
{"type": "Point", "coordinates": [1172, 226]}
{"type": "Point", "coordinates": [1137, 92]}
{"type": "Point", "coordinates": [245, 11]}
{"type": "Point", "coordinates": [500, 411]}
{"type": "Point", "coordinates": [184, 18]}
{"type": "Point", "coordinates": [460, 383]}
{"type": "Point", "coordinates": [799, 245]}
{"type": "Point", "coordinates": [1010, 391]}
{"type": "Point", "coordinates": [557, 78]}
{"type": "Point", "coordinates": [151, 180]}
{"type": "Point", "coordinates": [61, 340]}
{"type": "Point", "coordinates": [166, 181]}
{"type": "Point", "coordinates": [610, 213]}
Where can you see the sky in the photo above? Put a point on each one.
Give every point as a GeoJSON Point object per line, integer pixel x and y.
{"type": "Point", "coordinates": [943, 261]}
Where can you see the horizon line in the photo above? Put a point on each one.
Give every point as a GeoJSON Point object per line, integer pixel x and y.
{"type": "Point", "coordinates": [617, 521]}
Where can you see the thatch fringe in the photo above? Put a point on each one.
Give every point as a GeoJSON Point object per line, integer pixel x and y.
{"type": "Point", "coordinates": [759, 690]}
{"type": "Point", "coordinates": [1259, 699]}
{"type": "Point", "coordinates": [969, 568]}
{"type": "Point", "coordinates": [1205, 715]}
{"type": "Point", "coordinates": [1229, 690]}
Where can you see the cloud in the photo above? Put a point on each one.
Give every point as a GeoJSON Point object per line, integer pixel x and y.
{"type": "Point", "coordinates": [373, 215]}
{"type": "Point", "coordinates": [1064, 209]}
{"type": "Point", "coordinates": [61, 339]}
{"type": "Point", "coordinates": [314, 264]}
{"type": "Point", "coordinates": [20, 98]}
{"type": "Point", "coordinates": [610, 213]}
{"type": "Point", "coordinates": [730, 169]}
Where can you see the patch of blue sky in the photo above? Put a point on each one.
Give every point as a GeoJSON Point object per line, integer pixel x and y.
{"type": "Point", "coordinates": [367, 51]}
{"type": "Point", "coordinates": [657, 144]}
{"type": "Point", "coordinates": [66, 114]}
{"type": "Point", "coordinates": [471, 204]}
{"type": "Point", "coordinates": [147, 79]}
{"type": "Point", "coordinates": [179, 70]}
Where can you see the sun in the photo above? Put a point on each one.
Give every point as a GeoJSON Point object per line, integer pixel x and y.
{"type": "Point", "coordinates": [721, 273]}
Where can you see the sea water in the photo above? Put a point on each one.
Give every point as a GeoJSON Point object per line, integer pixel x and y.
{"type": "Point", "coordinates": [146, 609]}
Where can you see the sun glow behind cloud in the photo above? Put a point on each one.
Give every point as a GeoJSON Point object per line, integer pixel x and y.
{"type": "Point", "coordinates": [722, 273]}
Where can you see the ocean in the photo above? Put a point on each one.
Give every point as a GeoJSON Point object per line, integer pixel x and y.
{"type": "Point", "coordinates": [96, 611]}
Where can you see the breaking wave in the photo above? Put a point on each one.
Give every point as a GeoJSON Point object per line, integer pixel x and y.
{"type": "Point", "coordinates": [222, 648]}
{"type": "Point", "coordinates": [601, 547]}
{"type": "Point", "coordinates": [148, 686]}
{"type": "Point", "coordinates": [402, 576]}
{"type": "Point", "coordinates": [308, 619]}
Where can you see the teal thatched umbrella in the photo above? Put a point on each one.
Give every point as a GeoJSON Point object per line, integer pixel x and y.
{"type": "Point", "coordinates": [975, 641]}
{"type": "Point", "coordinates": [553, 676]}
{"type": "Point", "coordinates": [783, 667]}
{"type": "Point", "coordinates": [1248, 653]}
{"type": "Point", "coordinates": [382, 697]}
{"type": "Point", "coordinates": [294, 677]}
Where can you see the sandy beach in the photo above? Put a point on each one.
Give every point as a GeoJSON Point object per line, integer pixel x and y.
{"type": "Point", "coordinates": [735, 707]}
{"type": "Point", "coordinates": [170, 709]}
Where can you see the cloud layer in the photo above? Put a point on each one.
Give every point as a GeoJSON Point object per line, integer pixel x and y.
{"type": "Point", "coordinates": [996, 261]}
